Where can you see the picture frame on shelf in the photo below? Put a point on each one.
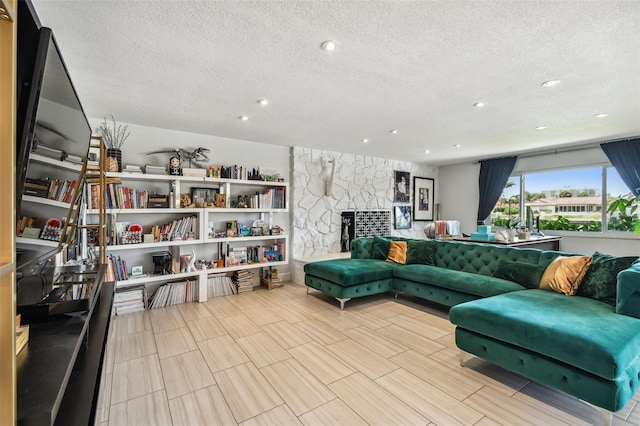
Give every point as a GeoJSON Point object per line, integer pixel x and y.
{"type": "Point", "coordinates": [423, 198]}
{"type": "Point", "coordinates": [402, 217]}
{"type": "Point", "coordinates": [401, 187]}
{"type": "Point", "coordinates": [204, 197]}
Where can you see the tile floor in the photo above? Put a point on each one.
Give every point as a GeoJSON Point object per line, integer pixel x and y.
{"type": "Point", "coordinates": [282, 357]}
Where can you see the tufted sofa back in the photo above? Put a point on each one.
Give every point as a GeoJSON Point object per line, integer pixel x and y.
{"type": "Point", "coordinates": [362, 248]}
{"type": "Point", "coordinates": [479, 258]}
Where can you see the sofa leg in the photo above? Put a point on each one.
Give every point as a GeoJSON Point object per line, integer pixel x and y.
{"type": "Point", "coordinates": [342, 302]}
{"type": "Point", "coordinates": [606, 414]}
{"type": "Point", "coordinates": [307, 290]}
{"type": "Point", "coordinates": [463, 357]}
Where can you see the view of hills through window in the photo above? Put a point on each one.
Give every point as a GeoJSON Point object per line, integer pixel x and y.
{"type": "Point", "coordinates": [568, 200]}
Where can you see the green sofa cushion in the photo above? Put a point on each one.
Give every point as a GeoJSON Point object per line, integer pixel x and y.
{"type": "Point", "coordinates": [420, 251]}
{"type": "Point", "coordinates": [465, 282]}
{"type": "Point", "coordinates": [362, 248]}
{"type": "Point", "coordinates": [380, 248]}
{"type": "Point", "coordinates": [348, 272]}
{"type": "Point", "coordinates": [526, 274]}
{"type": "Point", "coordinates": [601, 279]}
{"type": "Point", "coordinates": [579, 331]}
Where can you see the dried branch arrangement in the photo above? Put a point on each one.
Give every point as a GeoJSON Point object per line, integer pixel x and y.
{"type": "Point", "coordinates": [115, 136]}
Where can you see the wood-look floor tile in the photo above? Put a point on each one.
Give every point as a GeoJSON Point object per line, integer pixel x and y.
{"type": "Point", "coordinates": [483, 371]}
{"type": "Point", "coordinates": [110, 351]}
{"type": "Point", "coordinates": [434, 404]}
{"type": "Point", "coordinates": [377, 342]}
{"type": "Point", "coordinates": [262, 349]}
{"type": "Point", "coordinates": [136, 377]}
{"type": "Point", "coordinates": [174, 342]}
{"type": "Point", "coordinates": [507, 410]}
{"type": "Point", "coordinates": [104, 398]}
{"type": "Point", "coordinates": [337, 319]}
{"type": "Point", "coordinates": [222, 307]}
{"type": "Point", "coordinates": [374, 404]}
{"type": "Point", "coordinates": [361, 358]}
{"type": "Point", "coordinates": [134, 345]}
{"type": "Point", "coordinates": [239, 326]}
{"type": "Point", "coordinates": [558, 404]}
{"type": "Point", "coordinates": [222, 352]}
{"type": "Point", "coordinates": [334, 412]}
{"type": "Point", "coordinates": [322, 363]}
{"type": "Point", "coordinates": [202, 407]}
{"type": "Point", "coordinates": [151, 409]}
{"type": "Point", "coordinates": [185, 373]}
{"type": "Point", "coordinates": [300, 389]}
{"type": "Point", "coordinates": [320, 332]}
{"type": "Point", "coordinates": [281, 415]}
{"type": "Point", "coordinates": [206, 328]}
{"type": "Point", "coordinates": [193, 310]}
{"type": "Point", "coordinates": [418, 325]}
{"type": "Point", "coordinates": [392, 308]}
{"type": "Point", "coordinates": [625, 413]}
{"type": "Point", "coordinates": [452, 379]}
{"type": "Point", "coordinates": [261, 315]}
{"type": "Point", "coordinates": [448, 340]}
{"type": "Point", "coordinates": [165, 319]}
{"type": "Point", "coordinates": [246, 391]}
{"type": "Point", "coordinates": [292, 313]}
{"type": "Point", "coordinates": [368, 320]}
{"type": "Point", "coordinates": [634, 415]}
{"type": "Point", "coordinates": [410, 339]}
{"type": "Point", "coordinates": [486, 421]}
{"type": "Point", "coordinates": [286, 334]}
{"type": "Point", "coordinates": [134, 322]}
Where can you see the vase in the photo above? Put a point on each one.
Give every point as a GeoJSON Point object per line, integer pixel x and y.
{"type": "Point", "coordinates": [115, 153]}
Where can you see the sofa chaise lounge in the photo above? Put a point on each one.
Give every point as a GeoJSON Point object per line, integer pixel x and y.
{"type": "Point", "coordinates": [586, 345]}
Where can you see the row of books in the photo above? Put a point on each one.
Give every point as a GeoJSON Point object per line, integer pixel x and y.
{"type": "Point", "coordinates": [274, 198]}
{"type": "Point", "coordinates": [180, 229]}
{"type": "Point", "coordinates": [118, 197]}
{"type": "Point", "coordinates": [25, 222]}
{"type": "Point", "coordinates": [62, 190]}
{"type": "Point", "coordinates": [173, 294]}
{"type": "Point", "coordinates": [130, 300]}
{"type": "Point", "coordinates": [117, 269]}
{"type": "Point", "coordinates": [243, 280]}
{"type": "Point", "coordinates": [220, 285]}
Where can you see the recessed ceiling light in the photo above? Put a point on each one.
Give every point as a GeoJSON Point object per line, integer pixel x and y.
{"type": "Point", "coordinates": [394, 132]}
{"type": "Point", "coordinates": [263, 101]}
{"type": "Point", "coordinates": [457, 145]}
{"type": "Point", "coordinates": [329, 45]}
{"type": "Point", "coordinates": [550, 83]}
{"type": "Point", "coordinates": [541, 127]}
{"type": "Point", "coordinates": [365, 140]}
{"type": "Point", "coordinates": [426, 151]}
{"type": "Point", "coordinates": [243, 118]}
{"type": "Point", "coordinates": [479, 104]}
{"type": "Point", "coordinates": [601, 115]}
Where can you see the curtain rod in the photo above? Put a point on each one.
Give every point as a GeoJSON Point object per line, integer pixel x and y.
{"type": "Point", "coordinates": [559, 150]}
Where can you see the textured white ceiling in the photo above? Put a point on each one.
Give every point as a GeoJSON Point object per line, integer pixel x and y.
{"type": "Point", "coordinates": [417, 67]}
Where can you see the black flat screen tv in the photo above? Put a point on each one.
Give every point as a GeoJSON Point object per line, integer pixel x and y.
{"type": "Point", "coordinates": [49, 115]}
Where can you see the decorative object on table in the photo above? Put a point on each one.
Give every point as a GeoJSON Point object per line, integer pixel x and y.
{"type": "Point", "coordinates": [423, 194]}
{"type": "Point", "coordinates": [174, 166]}
{"type": "Point", "coordinates": [188, 262]}
{"type": "Point", "coordinates": [204, 197]}
{"type": "Point", "coordinates": [430, 231]}
{"type": "Point", "coordinates": [402, 219]}
{"type": "Point", "coordinates": [162, 263]}
{"type": "Point", "coordinates": [114, 137]}
{"type": "Point", "coordinates": [133, 235]}
{"type": "Point", "coordinates": [221, 200]}
{"type": "Point", "coordinates": [502, 235]}
{"type": "Point", "coordinates": [401, 187]}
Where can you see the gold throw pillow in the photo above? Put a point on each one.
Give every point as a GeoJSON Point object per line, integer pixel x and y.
{"type": "Point", "coordinates": [397, 252]}
{"type": "Point", "coordinates": [564, 275]}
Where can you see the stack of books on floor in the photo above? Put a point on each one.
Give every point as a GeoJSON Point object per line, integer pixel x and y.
{"type": "Point", "coordinates": [130, 300]}
{"type": "Point", "coordinates": [243, 280]}
{"type": "Point", "coordinates": [220, 285]}
{"type": "Point", "coordinates": [270, 278]}
{"type": "Point", "coordinates": [173, 294]}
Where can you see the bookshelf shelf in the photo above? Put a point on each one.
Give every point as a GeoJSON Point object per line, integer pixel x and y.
{"type": "Point", "coordinates": [56, 163]}
{"type": "Point", "coordinates": [46, 201]}
{"type": "Point", "coordinates": [209, 219]}
{"type": "Point", "coordinates": [36, 242]}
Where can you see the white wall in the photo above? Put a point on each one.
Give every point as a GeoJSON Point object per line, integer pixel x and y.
{"type": "Point", "coordinates": [458, 185]}
{"type": "Point", "coordinates": [361, 182]}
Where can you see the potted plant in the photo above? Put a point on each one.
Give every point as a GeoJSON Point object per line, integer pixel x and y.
{"type": "Point", "coordinates": [114, 138]}
{"type": "Point", "coordinates": [623, 214]}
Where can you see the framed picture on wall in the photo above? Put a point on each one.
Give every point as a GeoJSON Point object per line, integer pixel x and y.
{"type": "Point", "coordinates": [402, 217]}
{"type": "Point", "coordinates": [423, 205]}
{"type": "Point", "coordinates": [401, 187]}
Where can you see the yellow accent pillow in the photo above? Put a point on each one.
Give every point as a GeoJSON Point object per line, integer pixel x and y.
{"type": "Point", "coordinates": [397, 252]}
{"type": "Point", "coordinates": [565, 274]}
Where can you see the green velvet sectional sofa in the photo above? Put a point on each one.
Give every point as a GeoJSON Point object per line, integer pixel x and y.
{"type": "Point", "coordinates": [586, 345]}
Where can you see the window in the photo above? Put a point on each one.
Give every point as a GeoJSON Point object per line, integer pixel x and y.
{"type": "Point", "coordinates": [567, 200]}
